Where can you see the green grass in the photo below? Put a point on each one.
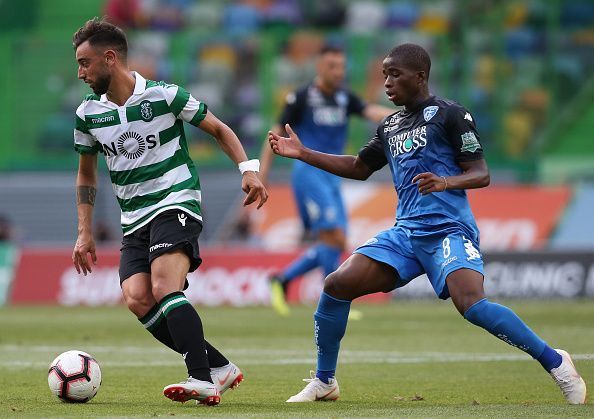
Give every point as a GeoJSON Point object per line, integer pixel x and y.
{"type": "Point", "coordinates": [404, 359]}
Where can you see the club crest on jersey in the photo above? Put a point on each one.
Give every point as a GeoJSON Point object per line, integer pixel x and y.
{"type": "Point", "coordinates": [469, 142]}
{"type": "Point", "coordinates": [429, 112]}
{"type": "Point", "coordinates": [146, 111]}
{"type": "Point", "coordinates": [341, 99]}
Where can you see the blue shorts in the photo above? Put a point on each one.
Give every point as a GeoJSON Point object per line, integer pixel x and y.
{"type": "Point", "coordinates": [318, 198]}
{"type": "Point", "coordinates": [437, 254]}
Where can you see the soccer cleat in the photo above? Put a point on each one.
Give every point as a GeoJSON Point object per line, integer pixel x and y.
{"type": "Point", "coordinates": [316, 390]}
{"type": "Point", "coordinates": [226, 377]}
{"type": "Point", "coordinates": [567, 378]}
{"type": "Point", "coordinates": [191, 389]}
{"type": "Point", "coordinates": [277, 297]}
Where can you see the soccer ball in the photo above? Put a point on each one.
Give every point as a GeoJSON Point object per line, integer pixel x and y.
{"type": "Point", "coordinates": [74, 377]}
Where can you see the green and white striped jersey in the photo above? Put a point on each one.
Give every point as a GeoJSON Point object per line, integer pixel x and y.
{"type": "Point", "coordinates": [145, 148]}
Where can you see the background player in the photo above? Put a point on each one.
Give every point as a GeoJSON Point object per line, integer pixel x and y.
{"type": "Point", "coordinates": [138, 125]}
{"type": "Point", "coordinates": [319, 113]}
{"type": "Point", "coordinates": [434, 154]}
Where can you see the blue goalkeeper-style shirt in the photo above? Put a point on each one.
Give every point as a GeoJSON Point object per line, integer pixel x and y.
{"type": "Point", "coordinates": [433, 137]}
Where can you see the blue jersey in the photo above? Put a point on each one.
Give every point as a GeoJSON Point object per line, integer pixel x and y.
{"type": "Point", "coordinates": [433, 137]}
{"type": "Point", "coordinates": [321, 120]}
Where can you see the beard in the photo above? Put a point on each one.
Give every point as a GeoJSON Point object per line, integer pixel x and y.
{"type": "Point", "coordinates": [101, 85]}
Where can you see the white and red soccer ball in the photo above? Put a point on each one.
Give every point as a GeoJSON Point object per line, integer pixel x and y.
{"type": "Point", "coordinates": [74, 377]}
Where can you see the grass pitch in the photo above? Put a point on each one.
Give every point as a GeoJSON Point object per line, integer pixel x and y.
{"type": "Point", "coordinates": [404, 359]}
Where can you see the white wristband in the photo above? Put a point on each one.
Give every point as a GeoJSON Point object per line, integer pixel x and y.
{"type": "Point", "coordinates": [249, 166]}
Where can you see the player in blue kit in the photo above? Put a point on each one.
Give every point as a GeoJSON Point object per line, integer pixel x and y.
{"type": "Point", "coordinates": [319, 113]}
{"type": "Point", "coordinates": [433, 150]}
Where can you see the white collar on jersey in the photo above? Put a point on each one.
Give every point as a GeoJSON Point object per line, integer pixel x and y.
{"type": "Point", "coordinates": [139, 86]}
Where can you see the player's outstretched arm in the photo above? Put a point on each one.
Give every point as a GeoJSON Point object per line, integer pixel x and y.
{"type": "Point", "coordinates": [475, 174]}
{"type": "Point", "coordinates": [351, 167]}
{"type": "Point", "coordinates": [230, 144]}
{"type": "Point", "coordinates": [267, 156]}
{"type": "Point", "coordinates": [86, 182]}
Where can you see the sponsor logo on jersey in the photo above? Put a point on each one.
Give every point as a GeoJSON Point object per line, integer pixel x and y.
{"type": "Point", "coordinates": [408, 141]}
{"type": "Point", "coordinates": [468, 116]}
{"type": "Point", "coordinates": [314, 97]}
{"type": "Point", "coordinates": [146, 111]}
{"type": "Point", "coordinates": [429, 112]}
{"type": "Point", "coordinates": [469, 142]}
{"type": "Point", "coordinates": [103, 119]}
{"type": "Point", "coordinates": [393, 124]}
{"type": "Point", "coordinates": [159, 246]}
{"type": "Point", "coordinates": [182, 219]}
{"type": "Point", "coordinates": [131, 145]}
{"type": "Point", "coordinates": [394, 120]}
{"type": "Point", "coordinates": [371, 241]}
{"type": "Point", "coordinates": [329, 115]}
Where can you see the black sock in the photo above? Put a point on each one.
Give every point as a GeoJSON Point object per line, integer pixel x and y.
{"type": "Point", "coordinates": [156, 323]}
{"type": "Point", "coordinates": [185, 329]}
{"type": "Point", "coordinates": [215, 358]}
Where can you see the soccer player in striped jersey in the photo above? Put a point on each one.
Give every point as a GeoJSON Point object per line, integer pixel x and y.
{"type": "Point", "coordinates": [137, 124]}
{"type": "Point", "coordinates": [433, 150]}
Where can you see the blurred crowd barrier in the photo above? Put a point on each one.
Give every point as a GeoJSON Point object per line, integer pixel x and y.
{"type": "Point", "coordinates": [239, 277]}
{"type": "Point", "coordinates": [523, 68]}
{"type": "Point", "coordinates": [537, 242]}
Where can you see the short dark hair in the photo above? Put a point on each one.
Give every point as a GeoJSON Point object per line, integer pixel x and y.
{"type": "Point", "coordinates": [101, 33]}
{"type": "Point", "coordinates": [331, 48]}
{"type": "Point", "coordinates": [413, 56]}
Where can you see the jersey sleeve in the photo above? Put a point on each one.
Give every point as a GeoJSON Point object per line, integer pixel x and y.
{"type": "Point", "coordinates": [463, 135]}
{"type": "Point", "coordinates": [184, 106]}
{"type": "Point", "coordinates": [84, 141]}
{"type": "Point", "coordinates": [372, 153]}
{"type": "Point", "coordinates": [293, 110]}
{"type": "Point", "coordinates": [356, 105]}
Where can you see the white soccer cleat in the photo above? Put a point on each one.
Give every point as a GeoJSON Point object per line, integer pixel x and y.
{"type": "Point", "coordinates": [191, 389]}
{"type": "Point", "coordinates": [567, 378]}
{"type": "Point", "coordinates": [316, 390]}
{"type": "Point", "coordinates": [226, 377]}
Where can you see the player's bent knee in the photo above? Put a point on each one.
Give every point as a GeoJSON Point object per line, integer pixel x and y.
{"type": "Point", "coordinates": [337, 286]}
{"type": "Point", "coordinates": [464, 301]}
{"type": "Point", "coordinates": [139, 305]}
{"type": "Point", "coordinates": [161, 287]}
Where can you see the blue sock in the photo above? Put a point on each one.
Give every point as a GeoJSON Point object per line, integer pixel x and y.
{"type": "Point", "coordinates": [549, 358]}
{"type": "Point", "coordinates": [330, 321]}
{"type": "Point", "coordinates": [328, 258]}
{"type": "Point", "coordinates": [303, 264]}
{"type": "Point", "coordinates": [503, 323]}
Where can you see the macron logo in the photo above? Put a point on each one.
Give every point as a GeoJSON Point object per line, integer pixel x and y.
{"type": "Point", "coordinates": [103, 119]}
{"type": "Point", "coordinates": [159, 246]}
{"type": "Point", "coordinates": [182, 219]}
